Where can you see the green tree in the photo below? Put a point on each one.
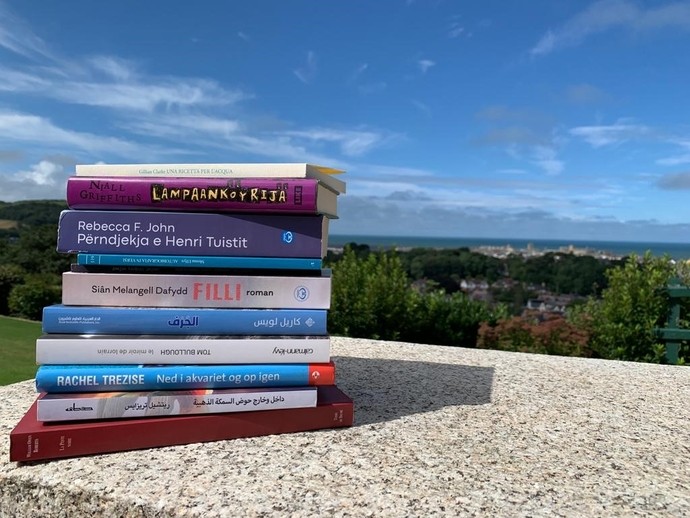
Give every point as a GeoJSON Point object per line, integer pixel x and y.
{"type": "Point", "coordinates": [622, 323]}
{"type": "Point", "coordinates": [35, 251]}
{"type": "Point", "coordinates": [28, 300]}
{"type": "Point", "coordinates": [10, 276]}
{"type": "Point", "coordinates": [370, 296]}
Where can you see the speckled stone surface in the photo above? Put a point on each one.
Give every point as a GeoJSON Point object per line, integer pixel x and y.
{"type": "Point", "coordinates": [439, 431]}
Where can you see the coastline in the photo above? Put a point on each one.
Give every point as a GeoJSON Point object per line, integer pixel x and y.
{"type": "Point", "coordinates": [499, 247]}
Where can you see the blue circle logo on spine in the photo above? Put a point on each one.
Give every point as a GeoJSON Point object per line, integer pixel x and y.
{"type": "Point", "coordinates": [288, 237]}
{"type": "Point", "coordinates": [301, 293]}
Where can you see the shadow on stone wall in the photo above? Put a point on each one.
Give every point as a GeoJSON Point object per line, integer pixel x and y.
{"type": "Point", "coordinates": [388, 389]}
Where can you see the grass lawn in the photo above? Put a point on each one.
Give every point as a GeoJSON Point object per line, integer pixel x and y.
{"type": "Point", "coordinates": [17, 349]}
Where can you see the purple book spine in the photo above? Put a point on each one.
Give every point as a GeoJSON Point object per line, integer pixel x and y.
{"type": "Point", "coordinates": [217, 194]}
{"type": "Point", "coordinates": [192, 233]}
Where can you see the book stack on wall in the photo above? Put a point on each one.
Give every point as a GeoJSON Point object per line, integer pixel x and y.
{"type": "Point", "coordinates": [196, 310]}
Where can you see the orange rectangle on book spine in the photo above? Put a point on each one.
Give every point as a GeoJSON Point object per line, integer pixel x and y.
{"type": "Point", "coordinates": [322, 374]}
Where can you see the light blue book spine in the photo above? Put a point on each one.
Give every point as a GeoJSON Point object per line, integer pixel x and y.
{"type": "Point", "coordinates": [105, 378]}
{"type": "Point", "coordinates": [100, 320]}
{"type": "Point", "coordinates": [200, 261]}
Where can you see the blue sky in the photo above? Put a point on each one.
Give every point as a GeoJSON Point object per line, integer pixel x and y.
{"type": "Point", "coordinates": [540, 119]}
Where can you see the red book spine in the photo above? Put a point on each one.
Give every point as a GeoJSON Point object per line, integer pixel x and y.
{"type": "Point", "coordinates": [195, 194]}
{"type": "Point", "coordinates": [32, 440]}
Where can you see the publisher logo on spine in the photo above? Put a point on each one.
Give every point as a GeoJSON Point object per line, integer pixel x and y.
{"type": "Point", "coordinates": [288, 237]}
{"type": "Point", "coordinates": [301, 293]}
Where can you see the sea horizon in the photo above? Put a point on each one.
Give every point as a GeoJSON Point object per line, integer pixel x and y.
{"type": "Point", "coordinates": [600, 247]}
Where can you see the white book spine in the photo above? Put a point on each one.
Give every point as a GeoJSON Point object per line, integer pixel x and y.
{"type": "Point", "coordinates": [70, 407]}
{"type": "Point", "coordinates": [325, 175]}
{"type": "Point", "coordinates": [93, 350]}
{"type": "Point", "coordinates": [208, 291]}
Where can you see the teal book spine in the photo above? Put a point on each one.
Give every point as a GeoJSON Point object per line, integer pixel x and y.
{"type": "Point", "coordinates": [201, 261]}
{"type": "Point", "coordinates": [100, 378]}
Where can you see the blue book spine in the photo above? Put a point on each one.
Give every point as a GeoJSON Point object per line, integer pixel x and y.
{"type": "Point", "coordinates": [200, 261]}
{"type": "Point", "coordinates": [100, 320]}
{"type": "Point", "coordinates": [106, 378]}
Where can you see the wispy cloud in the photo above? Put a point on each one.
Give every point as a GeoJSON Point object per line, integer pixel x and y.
{"type": "Point", "coordinates": [350, 142]}
{"type": "Point", "coordinates": [365, 86]}
{"type": "Point", "coordinates": [425, 64]}
{"type": "Point", "coordinates": [113, 68]}
{"type": "Point", "coordinates": [22, 82]}
{"type": "Point", "coordinates": [524, 134]}
{"type": "Point", "coordinates": [358, 72]}
{"type": "Point", "coordinates": [606, 135]}
{"type": "Point", "coordinates": [148, 96]}
{"type": "Point", "coordinates": [21, 127]}
{"type": "Point", "coordinates": [17, 37]}
{"type": "Point", "coordinates": [605, 15]}
{"type": "Point", "coordinates": [307, 72]}
{"type": "Point", "coordinates": [683, 158]}
{"type": "Point", "coordinates": [205, 132]}
{"type": "Point", "coordinates": [455, 30]}
{"type": "Point", "coordinates": [421, 107]}
{"type": "Point", "coordinates": [108, 82]}
{"type": "Point", "coordinates": [546, 158]}
{"type": "Point", "coordinates": [182, 127]}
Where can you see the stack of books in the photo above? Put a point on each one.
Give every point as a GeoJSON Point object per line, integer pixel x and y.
{"type": "Point", "coordinates": [196, 310]}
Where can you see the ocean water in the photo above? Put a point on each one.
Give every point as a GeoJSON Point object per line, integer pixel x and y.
{"type": "Point", "coordinates": [615, 248]}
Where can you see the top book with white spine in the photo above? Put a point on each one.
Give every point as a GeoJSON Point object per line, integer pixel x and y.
{"type": "Point", "coordinates": [327, 176]}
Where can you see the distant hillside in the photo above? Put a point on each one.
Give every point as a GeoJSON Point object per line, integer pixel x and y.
{"type": "Point", "coordinates": [30, 213]}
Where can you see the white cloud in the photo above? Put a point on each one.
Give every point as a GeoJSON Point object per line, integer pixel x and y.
{"type": "Point", "coordinates": [351, 142]}
{"type": "Point", "coordinates": [112, 67]}
{"type": "Point", "coordinates": [605, 135]}
{"type": "Point", "coordinates": [547, 159]}
{"type": "Point", "coordinates": [44, 173]}
{"type": "Point", "coordinates": [357, 79]}
{"type": "Point", "coordinates": [421, 107]}
{"type": "Point", "coordinates": [21, 127]}
{"type": "Point", "coordinates": [605, 15]}
{"type": "Point", "coordinates": [307, 72]}
{"type": "Point", "coordinates": [683, 158]}
{"type": "Point", "coordinates": [455, 30]}
{"type": "Point", "coordinates": [358, 72]}
{"type": "Point", "coordinates": [182, 126]}
{"type": "Point", "coordinates": [16, 81]}
{"type": "Point", "coordinates": [18, 38]}
{"type": "Point", "coordinates": [147, 96]}
{"type": "Point", "coordinates": [121, 89]}
{"type": "Point", "coordinates": [44, 180]}
{"type": "Point", "coordinates": [425, 64]}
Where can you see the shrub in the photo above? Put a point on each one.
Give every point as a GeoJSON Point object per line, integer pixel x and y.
{"type": "Point", "coordinates": [370, 296]}
{"type": "Point", "coordinates": [622, 323]}
{"type": "Point", "coordinates": [10, 276]}
{"type": "Point", "coordinates": [443, 319]}
{"type": "Point", "coordinates": [28, 300]}
{"type": "Point", "coordinates": [552, 335]}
